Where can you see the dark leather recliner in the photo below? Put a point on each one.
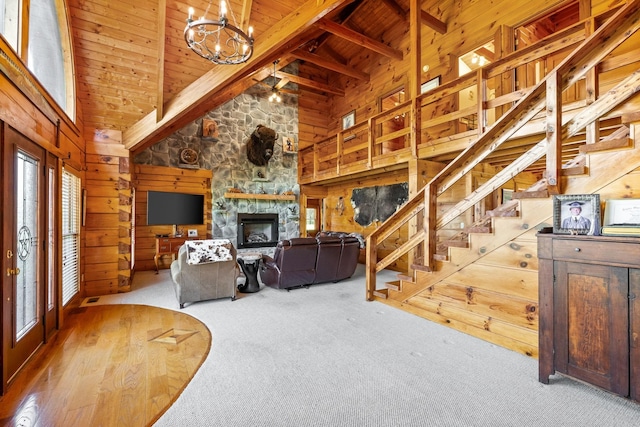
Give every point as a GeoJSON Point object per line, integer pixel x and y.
{"type": "Point", "coordinates": [307, 260]}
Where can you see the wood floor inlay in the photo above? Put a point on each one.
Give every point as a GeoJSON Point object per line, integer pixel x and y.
{"type": "Point", "coordinates": [109, 365]}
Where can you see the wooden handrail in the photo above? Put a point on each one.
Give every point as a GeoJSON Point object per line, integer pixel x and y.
{"type": "Point", "coordinates": [575, 66]}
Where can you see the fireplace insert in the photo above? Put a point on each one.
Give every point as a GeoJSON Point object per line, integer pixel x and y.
{"type": "Point", "coordinates": [257, 230]}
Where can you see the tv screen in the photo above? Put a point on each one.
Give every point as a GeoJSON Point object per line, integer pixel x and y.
{"type": "Point", "coordinates": [165, 208]}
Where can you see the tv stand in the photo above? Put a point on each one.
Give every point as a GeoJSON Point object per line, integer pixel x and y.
{"type": "Point", "coordinates": [167, 246]}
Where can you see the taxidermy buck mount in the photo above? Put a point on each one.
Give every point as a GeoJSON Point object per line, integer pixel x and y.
{"type": "Point", "coordinates": [260, 145]}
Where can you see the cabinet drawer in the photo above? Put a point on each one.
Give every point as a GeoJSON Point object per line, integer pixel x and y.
{"type": "Point", "coordinates": [621, 253]}
{"type": "Point", "coordinates": [164, 247]}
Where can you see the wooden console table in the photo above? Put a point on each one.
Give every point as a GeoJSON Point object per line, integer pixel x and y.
{"type": "Point", "coordinates": [590, 310]}
{"type": "Point", "coordinates": [167, 246]}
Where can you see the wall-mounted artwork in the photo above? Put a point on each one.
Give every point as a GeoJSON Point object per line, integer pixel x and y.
{"type": "Point", "coordinates": [378, 203]}
{"type": "Point", "coordinates": [210, 128]}
{"type": "Point", "coordinates": [289, 145]}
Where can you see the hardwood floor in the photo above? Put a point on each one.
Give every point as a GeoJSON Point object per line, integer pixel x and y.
{"type": "Point", "coordinates": [109, 365]}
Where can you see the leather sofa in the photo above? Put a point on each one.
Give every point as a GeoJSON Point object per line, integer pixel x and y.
{"type": "Point", "coordinates": [205, 281]}
{"type": "Point", "coordinates": [307, 260]}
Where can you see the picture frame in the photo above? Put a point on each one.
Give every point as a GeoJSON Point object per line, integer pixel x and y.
{"type": "Point", "coordinates": [289, 145]}
{"type": "Point", "coordinates": [192, 232]}
{"type": "Point", "coordinates": [259, 174]}
{"type": "Point", "coordinates": [348, 120]}
{"type": "Point", "coordinates": [576, 214]}
{"type": "Point", "coordinates": [430, 84]}
{"type": "Point", "coordinates": [622, 212]}
{"type": "Point", "coordinates": [210, 129]}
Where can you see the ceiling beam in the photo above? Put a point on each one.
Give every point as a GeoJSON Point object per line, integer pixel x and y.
{"type": "Point", "coordinates": [312, 84]}
{"type": "Point", "coordinates": [433, 22]}
{"type": "Point", "coordinates": [188, 101]}
{"type": "Point", "coordinates": [359, 39]}
{"type": "Point", "coordinates": [330, 65]}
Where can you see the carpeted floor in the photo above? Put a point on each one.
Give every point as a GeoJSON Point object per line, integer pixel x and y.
{"type": "Point", "coordinates": [324, 356]}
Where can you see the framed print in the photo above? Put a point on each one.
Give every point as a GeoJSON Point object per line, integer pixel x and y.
{"type": "Point", "coordinates": [210, 129]}
{"type": "Point", "coordinates": [576, 214]}
{"type": "Point", "coordinates": [349, 120]}
{"type": "Point", "coordinates": [259, 174]}
{"type": "Point", "coordinates": [289, 145]}
{"type": "Point", "coordinates": [430, 84]}
{"type": "Point", "coordinates": [621, 217]}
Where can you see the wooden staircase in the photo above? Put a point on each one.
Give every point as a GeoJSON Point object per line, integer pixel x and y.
{"type": "Point", "coordinates": [487, 285]}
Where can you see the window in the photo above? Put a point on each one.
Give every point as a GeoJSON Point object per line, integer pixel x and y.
{"type": "Point", "coordinates": [70, 236]}
{"type": "Point", "coordinates": [9, 14]}
{"type": "Point", "coordinates": [43, 43]}
{"type": "Point", "coordinates": [45, 49]}
{"type": "Point", "coordinates": [312, 214]}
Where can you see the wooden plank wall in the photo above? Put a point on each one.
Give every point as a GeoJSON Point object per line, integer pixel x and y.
{"type": "Point", "coordinates": [107, 257]}
{"type": "Point", "coordinates": [159, 178]}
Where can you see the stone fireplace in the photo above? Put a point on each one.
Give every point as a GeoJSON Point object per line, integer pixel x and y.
{"type": "Point", "coordinates": [257, 230]}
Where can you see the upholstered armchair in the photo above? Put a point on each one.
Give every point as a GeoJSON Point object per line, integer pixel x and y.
{"type": "Point", "coordinates": [204, 270]}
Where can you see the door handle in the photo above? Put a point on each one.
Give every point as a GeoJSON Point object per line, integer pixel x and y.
{"type": "Point", "coordinates": [13, 271]}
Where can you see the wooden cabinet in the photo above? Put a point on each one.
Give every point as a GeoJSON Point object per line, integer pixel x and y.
{"type": "Point", "coordinates": [167, 246]}
{"type": "Point", "coordinates": [589, 310]}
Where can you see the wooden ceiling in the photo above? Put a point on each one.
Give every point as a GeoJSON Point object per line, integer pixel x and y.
{"type": "Point", "coordinates": [135, 74]}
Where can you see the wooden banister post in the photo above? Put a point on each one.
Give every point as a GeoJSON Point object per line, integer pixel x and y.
{"type": "Point", "coordinates": [554, 133]}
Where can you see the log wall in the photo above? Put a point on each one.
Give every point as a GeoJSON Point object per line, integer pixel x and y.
{"type": "Point", "coordinates": [159, 178]}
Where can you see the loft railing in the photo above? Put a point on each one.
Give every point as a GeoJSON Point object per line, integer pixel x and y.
{"type": "Point", "coordinates": [544, 100]}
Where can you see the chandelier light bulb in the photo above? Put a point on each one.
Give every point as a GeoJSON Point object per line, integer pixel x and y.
{"type": "Point", "coordinates": [190, 14]}
{"type": "Point", "coordinates": [223, 9]}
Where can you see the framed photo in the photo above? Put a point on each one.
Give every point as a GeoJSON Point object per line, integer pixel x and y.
{"type": "Point", "coordinates": [192, 233]}
{"type": "Point", "coordinates": [289, 145]}
{"type": "Point", "coordinates": [430, 84]}
{"type": "Point", "coordinates": [622, 212]}
{"type": "Point", "coordinates": [349, 120]}
{"type": "Point", "coordinates": [576, 214]}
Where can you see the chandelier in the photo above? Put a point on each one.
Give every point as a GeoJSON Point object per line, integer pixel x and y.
{"type": "Point", "coordinates": [218, 41]}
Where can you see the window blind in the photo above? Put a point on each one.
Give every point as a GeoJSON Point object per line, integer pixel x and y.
{"type": "Point", "coordinates": [70, 236]}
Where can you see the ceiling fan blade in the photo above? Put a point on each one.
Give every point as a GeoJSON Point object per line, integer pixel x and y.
{"type": "Point", "coordinates": [281, 83]}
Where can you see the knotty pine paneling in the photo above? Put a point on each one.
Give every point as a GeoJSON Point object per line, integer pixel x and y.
{"type": "Point", "coordinates": [158, 178]}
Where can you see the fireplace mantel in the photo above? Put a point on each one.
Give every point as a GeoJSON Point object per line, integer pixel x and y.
{"type": "Point", "coordinates": [282, 197]}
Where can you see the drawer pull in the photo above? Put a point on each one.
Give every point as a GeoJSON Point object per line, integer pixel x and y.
{"type": "Point", "coordinates": [577, 249]}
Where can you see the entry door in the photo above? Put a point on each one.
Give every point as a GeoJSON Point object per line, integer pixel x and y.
{"type": "Point", "coordinates": [23, 290]}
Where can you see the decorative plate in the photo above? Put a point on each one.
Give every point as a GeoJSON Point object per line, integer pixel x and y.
{"type": "Point", "coordinates": [188, 156]}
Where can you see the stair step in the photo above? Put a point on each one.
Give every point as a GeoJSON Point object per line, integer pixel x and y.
{"type": "Point", "coordinates": [381, 293]}
{"type": "Point", "coordinates": [479, 229]}
{"type": "Point", "coordinates": [394, 286]}
{"type": "Point", "coordinates": [439, 257]}
{"type": "Point", "coordinates": [421, 267]}
{"type": "Point", "coordinates": [456, 243]}
{"type": "Point", "coordinates": [405, 277]}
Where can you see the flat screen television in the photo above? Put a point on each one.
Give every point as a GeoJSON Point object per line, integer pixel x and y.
{"type": "Point", "coordinates": [164, 208]}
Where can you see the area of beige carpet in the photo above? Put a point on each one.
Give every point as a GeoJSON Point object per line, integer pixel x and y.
{"type": "Point", "coordinates": [324, 356]}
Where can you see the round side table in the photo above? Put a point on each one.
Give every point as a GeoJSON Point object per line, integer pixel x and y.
{"type": "Point", "coordinates": [249, 263]}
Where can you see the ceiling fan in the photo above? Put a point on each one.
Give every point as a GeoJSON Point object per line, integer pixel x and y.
{"type": "Point", "coordinates": [277, 86]}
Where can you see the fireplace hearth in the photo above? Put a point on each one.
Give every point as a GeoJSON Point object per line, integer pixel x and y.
{"type": "Point", "coordinates": [257, 230]}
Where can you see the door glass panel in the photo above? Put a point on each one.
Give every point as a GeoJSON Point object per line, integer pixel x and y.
{"type": "Point", "coordinates": [26, 292]}
{"type": "Point", "coordinates": [51, 241]}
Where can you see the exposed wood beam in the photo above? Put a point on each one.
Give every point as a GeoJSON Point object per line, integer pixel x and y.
{"type": "Point", "coordinates": [396, 9]}
{"type": "Point", "coordinates": [162, 18]}
{"type": "Point", "coordinates": [189, 100]}
{"type": "Point", "coordinates": [359, 39]}
{"type": "Point", "coordinates": [310, 83]}
{"type": "Point", "coordinates": [330, 65]}
{"type": "Point", "coordinates": [433, 22]}
{"type": "Point", "coordinates": [245, 16]}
